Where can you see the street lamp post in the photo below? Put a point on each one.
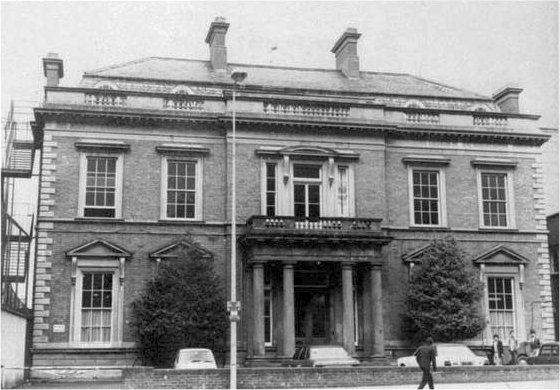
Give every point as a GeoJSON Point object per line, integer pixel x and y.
{"type": "Point", "coordinates": [233, 305]}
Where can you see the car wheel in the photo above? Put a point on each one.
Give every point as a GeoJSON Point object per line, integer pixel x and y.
{"type": "Point", "coordinates": [522, 361]}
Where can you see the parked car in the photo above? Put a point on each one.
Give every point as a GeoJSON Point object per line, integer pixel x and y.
{"type": "Point", "coordinates": [322, 356]}
{"type": "Point", "coordinates": [548, 354]}
{"type": "Point", "coordinates": [448, 355]}
{"type": "Point", "coordinates": [194, 358]}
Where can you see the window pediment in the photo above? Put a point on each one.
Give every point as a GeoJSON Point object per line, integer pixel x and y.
{"type": "Point", "coordinates": [415, 256]}
{"type": "Point", "coordinates": [500, 255]}
{"type": "Point", "coordinates": [99, 248]}
{"type": "Point", "coordinates": [307, 151]}
{"type": "Point", "coordinates": [172, 250]}
{"type": "Point", "coordinates": [97, 145]}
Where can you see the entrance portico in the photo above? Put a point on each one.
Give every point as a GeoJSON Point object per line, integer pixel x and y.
{"type": "Point", "coordinates": [318, 288]}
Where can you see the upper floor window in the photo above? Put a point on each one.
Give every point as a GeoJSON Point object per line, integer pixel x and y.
{"type": "Point", "coordinates": [101, 186]}
{"type": "Point", "coordinates": [495, 199]}
{"type": "Point", "coordinates": [271, 189]}
{"type": "Point", "coordinates": [427, 200]}
{"type": "Point", "coordinates": [307, 191]}
{"type": "Point", "coordinates": [181, 189]}
{"type": "Point", "coordinates": [307, 182]}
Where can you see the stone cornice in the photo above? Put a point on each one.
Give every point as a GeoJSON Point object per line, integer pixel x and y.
{"type": "Point", "coordinates": [391, 129]}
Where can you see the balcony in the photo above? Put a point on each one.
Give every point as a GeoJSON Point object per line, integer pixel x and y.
{"type": "Point", "coordinates": [324, 229]}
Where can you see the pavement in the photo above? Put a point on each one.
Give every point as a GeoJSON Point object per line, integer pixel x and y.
{"type": "Point", "coordinates": [529, 385]}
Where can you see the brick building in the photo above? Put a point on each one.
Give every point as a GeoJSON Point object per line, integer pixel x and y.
{"type": "Point", "coordinates": [344, 176]}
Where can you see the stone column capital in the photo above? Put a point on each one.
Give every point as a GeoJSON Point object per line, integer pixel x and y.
{"type": "Point", "coordinates": [375, 266]}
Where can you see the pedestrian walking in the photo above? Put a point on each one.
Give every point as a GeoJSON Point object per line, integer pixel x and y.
{"type": "Point", "coordinates": [426, 355]}
{"type": "Point", "coordinates": [498, 350]}
{"type": "Point", "coordinates": [534, 342]}
{"type": "Point", "coordinates": [512, 345]}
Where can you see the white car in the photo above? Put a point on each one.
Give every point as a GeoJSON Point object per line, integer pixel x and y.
{"type": "Point", "coordinates": [194, 358]}
{"type": "Point", "coordinates": [322, 356]}
{"type": "Point", "coordinates": [448, 355]}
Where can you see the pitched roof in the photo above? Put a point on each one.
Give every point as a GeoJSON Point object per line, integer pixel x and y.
{"type": "Point", "coordinates": [182, 70]}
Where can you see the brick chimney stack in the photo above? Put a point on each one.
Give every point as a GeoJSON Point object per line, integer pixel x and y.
{"type": "Point", "coordinates": [53, 69]}
{"type": "Point", "coordinates": [507, 98]}
{"type": "Point", "coordinates": [346, 53]}
{"type": "Point", "coordinates": [216, 39]}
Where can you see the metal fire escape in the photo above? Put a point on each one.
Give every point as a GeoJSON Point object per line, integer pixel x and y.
{"type": "Point", "coordinates": [19, 143]}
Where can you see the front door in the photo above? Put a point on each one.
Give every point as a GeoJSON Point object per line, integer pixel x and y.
{"type": "Point", "coordinates": [311, 315]}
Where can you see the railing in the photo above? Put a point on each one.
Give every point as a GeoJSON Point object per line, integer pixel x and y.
{"type": "Point", "coordinates": [421, 117]}
{"type": "Point", "coordinates": [19, 146]}
{"type": "Point", "coordinates": [105, 99]}
{"type": "Point", "coordinates": [489, 121]}
{"type": "Point", "coordinates": [326, 110]}
{"type": "Point", "coordinates": [325, 224]}
{"type": "Point", "coordinates": [183, 104]}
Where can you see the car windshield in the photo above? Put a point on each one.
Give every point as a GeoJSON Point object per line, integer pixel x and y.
{"type": "Point", "coordinates": [197, 356]}
{"type": "Point", "coordinates": [327, 353]}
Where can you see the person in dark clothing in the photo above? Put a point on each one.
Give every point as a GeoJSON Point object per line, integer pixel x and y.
{"type": "Point", "coordinates": [498, 350]}
{"type": "Point", "coordinates": [426, 355]}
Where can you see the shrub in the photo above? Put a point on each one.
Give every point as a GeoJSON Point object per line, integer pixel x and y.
{"type": "Point", "coordinates": [183, 306]}
{"type": "Point", "coordinates": [443, 300]}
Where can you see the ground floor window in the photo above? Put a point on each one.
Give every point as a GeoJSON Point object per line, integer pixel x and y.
{"type": "Point", "coordinates": [267, 316]}
{"type": "Point", "coordinates": [97, 307]}
{"type": "Point", "coordinates": [501, 305]}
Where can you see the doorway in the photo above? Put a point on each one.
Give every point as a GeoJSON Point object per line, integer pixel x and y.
{"type": "Point", "coordinates": [311, 316]}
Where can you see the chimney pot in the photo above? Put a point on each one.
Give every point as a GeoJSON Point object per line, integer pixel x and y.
{"type": "Point", "coordinates": [53, 69]}
{"type": "Point", "coordinates": [346, 53]}
{"type": "Point", "coordinates": [216, 39]}
{"type": "Point", "coordinates": [507, 99]}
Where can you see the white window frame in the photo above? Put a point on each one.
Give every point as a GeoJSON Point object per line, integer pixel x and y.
{"type": "Point", "coordinates": [118, 182]}
{"type": "Point", "coordinates": [198, 187]}
{"type": "Point", "coordinates": [309, 181]}
{"type": "Point", "coordinates": [264, 163]}
{"type": "Point", "coordinates": [510, 204]}
{"type": "Point", "coordinates": [442, 203]}
{"type": "Point", "coordinates": [97, 266]}
{"type": "Point", "coordinates": [329, 183]}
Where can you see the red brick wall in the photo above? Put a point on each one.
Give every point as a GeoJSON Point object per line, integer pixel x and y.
{"type": "Point", "coordinates": [286, 378]}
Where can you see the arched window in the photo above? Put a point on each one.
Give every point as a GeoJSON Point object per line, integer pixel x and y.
{"type": "Point", "coordinates": [414, 104]}
{"type": "Point", "coordinates": [182, 89]}
{"type": "Point", "coordinates": [106, 85]}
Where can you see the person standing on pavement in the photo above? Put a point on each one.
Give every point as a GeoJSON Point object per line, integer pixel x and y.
{"type": "Point", "coordinates": [512, 344]}
{"type": "Point", "coordinates": [534, 342]}
{"type": "Point", "coordinates": [498, 350]}
{"type": "Point", "coordinates": [426, 355]}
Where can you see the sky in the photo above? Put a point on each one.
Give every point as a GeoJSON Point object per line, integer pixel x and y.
{"type": "Point", "coordinates": [477, 46]}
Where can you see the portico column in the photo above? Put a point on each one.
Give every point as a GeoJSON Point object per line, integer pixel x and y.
{"type": "Point", "coordinates": [289, 333]}
{"type": "Point", "coordinates": [377, 311]}
{"type": "Point", "coordinates": [347, 308]}
{"type": "Point", "coordinates": [258, 309]}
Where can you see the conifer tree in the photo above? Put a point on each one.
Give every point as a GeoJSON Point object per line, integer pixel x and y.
{"type": "Point", "coordinates": [183, 306]}
{"type": "Point", "coordinates": [444, 295]}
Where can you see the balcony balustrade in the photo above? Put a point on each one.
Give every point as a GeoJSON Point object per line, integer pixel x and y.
{"type": "Point", "coordinates": [325, 110]}
{"type": "Point", "coordinates": [183, 104]}
{"type": "Point", "coordinates": [489, 121]}
{"type": "Point", "coordinates": [335, 228]}
{"type": "Point", "coordinates": [105, 99]}
{"type": "Point", "coordinates": [421, 117]}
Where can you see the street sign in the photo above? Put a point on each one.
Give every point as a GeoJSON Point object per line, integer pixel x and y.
{"type": "Point", "coordinates": [234, 306]}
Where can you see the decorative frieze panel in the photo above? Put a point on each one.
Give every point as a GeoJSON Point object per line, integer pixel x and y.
{"type": "Point", "coordinates": [326, 110]}
{"type": "Point", "coordinates": [105, 99]}
{"type": "Point", "coordinates": [181, 103]}
{"type": "Point", "coordinates": [489, 121]}
{"type": "Point", "coordinates": [421, 117]}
